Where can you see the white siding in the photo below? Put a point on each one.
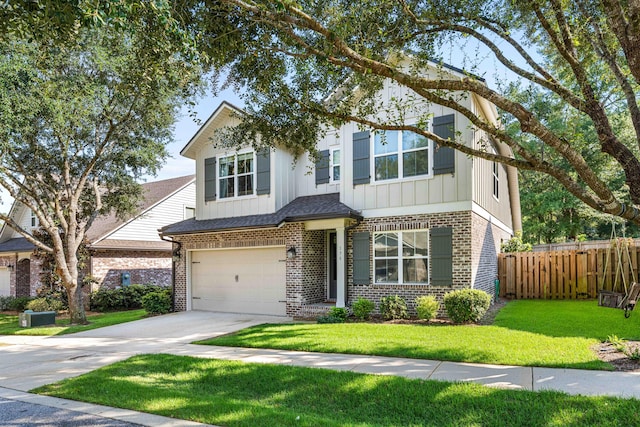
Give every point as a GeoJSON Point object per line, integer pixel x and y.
{"type": "Point", "coordinates": [168, 211]}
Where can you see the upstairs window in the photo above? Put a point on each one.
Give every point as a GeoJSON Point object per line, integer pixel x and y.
{"type": "Point", "coordinates": [35, 222]}
{"type": "Point", "coordinates": [400, 155]}
{"type": "Point", "coordinates": [235, 175]}
{"type": "Point", "coordinates": [335, 164]}
{"type": "Point", "coordinates": [496, 180]}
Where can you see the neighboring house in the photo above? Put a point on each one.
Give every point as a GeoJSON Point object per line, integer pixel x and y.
{"type": "Point", "coordinates": [372, 220]}
{"type": "Point", "coordinates": [116, 246]}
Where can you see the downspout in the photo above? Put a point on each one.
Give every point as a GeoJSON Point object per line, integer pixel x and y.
{"type": "Point", "coordinates": [514, 198]}
{"type": "Point", "coordinates": [174, 253]}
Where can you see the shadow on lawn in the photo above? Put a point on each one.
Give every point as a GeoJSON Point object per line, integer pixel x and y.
{"type": "Point", "coordinates": [236, 393]}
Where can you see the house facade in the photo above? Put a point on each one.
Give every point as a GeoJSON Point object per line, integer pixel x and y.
{"type": "Point", "coordinates": [121, 251]}
{"type": "Point", "coordinates": [379, 214]}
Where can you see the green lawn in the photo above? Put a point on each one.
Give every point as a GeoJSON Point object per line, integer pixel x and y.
{"type": "Point", "coordinates": [9, 324]}
{"type": "Point", "coordinates": [525, 333]}
{"type": "Point", "coordinates": [242, 394]}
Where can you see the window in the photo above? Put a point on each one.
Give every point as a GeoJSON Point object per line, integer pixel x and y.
{"type": "Point", "coordinates": [235, 175]}
{"type": "Point", "coordinates": [189, 212]}
{"type": "Point", "coordinates": [34, 220]}
{"type": "Point", "coordinates": [496, 180]}
{"type": "Point", "coordinates": [400, 155]}
{"type": "Point", "coordinates": [401, 257]}
{"type": "Point", "coordinates": [335, 164]}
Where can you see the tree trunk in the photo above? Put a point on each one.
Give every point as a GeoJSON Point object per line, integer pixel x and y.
{"type": "Point", "coordinates": [77, 314]}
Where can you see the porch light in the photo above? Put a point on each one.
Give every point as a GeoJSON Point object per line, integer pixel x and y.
{"type": "Point", "coordinates": [10, 267]}
{"type": "Point", "coordinates": [291, 252]}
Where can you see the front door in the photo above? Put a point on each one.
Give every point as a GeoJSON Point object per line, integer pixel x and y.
{"type": "Point", "coordinates": [333, 266]}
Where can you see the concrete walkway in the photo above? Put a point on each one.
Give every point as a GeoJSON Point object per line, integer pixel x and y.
{"type": "Point", "coordinates": [29, 362]}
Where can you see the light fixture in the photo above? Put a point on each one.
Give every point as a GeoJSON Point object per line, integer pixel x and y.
{"type": "Point", "coordinates": [10, 267]}
{"type": "Point", "coordinates": [291, 252]}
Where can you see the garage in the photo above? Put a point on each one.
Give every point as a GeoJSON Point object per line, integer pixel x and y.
{"type": "Point", "coordinates": [5, 282]}
{"type": "Point", "coordinates": [248, 280]}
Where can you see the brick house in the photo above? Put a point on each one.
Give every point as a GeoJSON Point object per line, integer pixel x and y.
{"type": "Point", "coordinates": [371, 219]}
{"type": "Point", "coordinates": [116, 246]}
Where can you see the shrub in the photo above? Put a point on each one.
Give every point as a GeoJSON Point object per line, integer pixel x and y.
{"type": "Point", "coordinates": [125, 298]}
{"type": "Point", "coordinates": [466, 305]}
{"type": "Point", "coordinates": [362, 308]}
{"type": "Point", "coordinates": [427, 307]}
{"type": "Point", "coordinates": [19, 303]}
{"type": "Point", "coordinates": [5, 302]}
{"type": "Point", "coordinates": [45, 304]}
{"type": "Point", "coordinates": [516, 244]}
{"type": "Point", "coordinates": [157, 302]}
{"type": "Point", "coordinates": [339, 312]}
{"type": "Point", "coordinates": [330, 319]}
{"type": "Point", "coordinates": [393, 307]}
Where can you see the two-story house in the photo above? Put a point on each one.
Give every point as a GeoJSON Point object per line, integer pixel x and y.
{"type": "Point", "coordinates": [381, 214]}
{"type": "Point", "coordinates": [122, 251]}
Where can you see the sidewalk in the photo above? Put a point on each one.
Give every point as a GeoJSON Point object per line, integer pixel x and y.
{"type": "Point", "coordinates": [571, 381]}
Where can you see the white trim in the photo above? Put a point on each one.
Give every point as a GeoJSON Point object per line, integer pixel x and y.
{"type": "Point", "coordinates": [479, 210]}
{"type": "Point", "coordinates": [400, 256]}
{"type": "Point", "coordinates": [418, 209]}
{"type": "Point", "coordinates": [236, 175]}
{"type": "Point", "coordinates": [332, 150]}
{"type": "Point", "coordinates": [189, 281]}
{"type": "Point", "coordinates": [399, 153]}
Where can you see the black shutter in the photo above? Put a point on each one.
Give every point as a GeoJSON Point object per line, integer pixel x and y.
{"type": "Point", "coordinates": [263, 172]}
{"type": "Point", "coordinates": [209, 179]}
{"type": "Point", "coordinates": [361, 258]}
{"type": "Point", "coordinates": [322, 167]}
{"type": "Point", "coordinates": [442, 256]}
{"type": "Point", "coordinates": [361, 165]}
{"type": "Point", "coordinates": [444, 157]}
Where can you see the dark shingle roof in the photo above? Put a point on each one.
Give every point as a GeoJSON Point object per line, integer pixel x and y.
{"type": "Point", "coordinates": [325, 206]}
{"type": "Point", "coordinates": [19, 244]}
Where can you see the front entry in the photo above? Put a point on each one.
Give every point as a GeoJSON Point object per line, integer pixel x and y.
{"type": "Point", "coordinates": [333, 266]}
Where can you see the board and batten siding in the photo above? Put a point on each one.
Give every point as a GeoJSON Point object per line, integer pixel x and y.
{"type": "Point", "coordinates": [168, 211]}
{"type": "Point", "coordinates": [305, 169]}
{"type": "Point", "coordinates": [444, 189]}
{"type": "Point", "coordinates": [232, 206]}
{"type": "Point", "coordinates": [24, 219]}
{"type": "Point", "coordinates": [483, 196]}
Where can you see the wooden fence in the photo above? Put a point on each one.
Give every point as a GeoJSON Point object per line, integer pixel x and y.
{"type": "Point", "coordinates": [570, 274]}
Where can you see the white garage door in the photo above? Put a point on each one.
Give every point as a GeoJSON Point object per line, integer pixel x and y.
{"type": "Point", "coordinates": [5, 284]}
{"type": "Point", "coordinates": [239, 280]}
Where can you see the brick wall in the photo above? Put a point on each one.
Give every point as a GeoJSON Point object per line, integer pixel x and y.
{"type": "Point", "coordinates": [486, 239]}
{"type": "Point", "coordinates": [145, 267]}
{"type": "Point", "coordinates": [462, 254]}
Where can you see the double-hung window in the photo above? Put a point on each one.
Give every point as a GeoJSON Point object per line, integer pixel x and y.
{"type": "Point", "coordinates": [400, 155]}
{"type": "Point", "coordinates": [496, 180]}
{"type": "Point", "coordinates": [236, 175]}
{"type": "Point", "coordinates": [401, 257]}
{"type": "Point", "coordinates": [335, 164]}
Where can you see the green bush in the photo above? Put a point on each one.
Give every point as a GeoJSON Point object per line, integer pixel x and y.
{"type": "Point", "coordinates": [157, 302]}
{"type": "Point", "coordinates": [45, 304]}
{"type": "Point", "coordinates": [393, 307]}
{"type": "Point", "coordinates": [124, 298]}
{"type": "Point", "coordinates": [362, 308]}
{"type": "Point", "coordinates": [19, 303]}
{"type": "Point", "coordinates": [339, 312]}
{"type": "Point", "coordinates": [5, 302]}
{"type": "Point", "coordinates": [427, 307]}
{"type": "Point", "coordinates": [466, 305]}
{"type": "Point", "coordinates": [330, 319]}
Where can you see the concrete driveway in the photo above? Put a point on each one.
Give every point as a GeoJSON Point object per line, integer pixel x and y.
{"type": "Point", "coordinates": [29, 362]}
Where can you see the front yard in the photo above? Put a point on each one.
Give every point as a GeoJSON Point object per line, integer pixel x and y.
{"type": "Point", "coordinates": [559, 334]}
{"type": "Point", "coordinates": [9, 323]}
{"type": "Point", "coordinates": [244, 394]}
